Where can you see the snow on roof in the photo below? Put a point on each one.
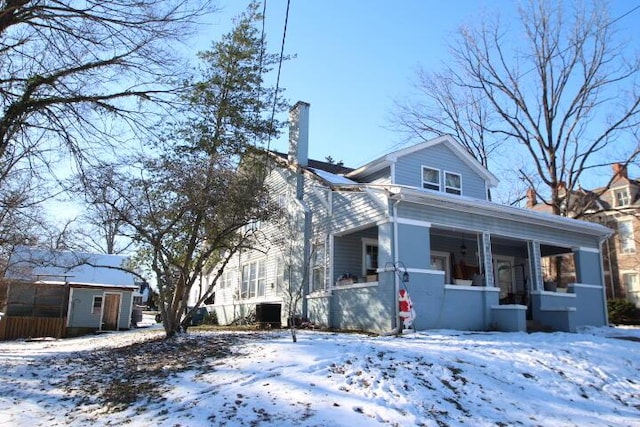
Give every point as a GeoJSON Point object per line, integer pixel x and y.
{"type": "Point", "coordinates": [332, 178]}
{"type": "Point", "coordinates": [32, 264]}
{"type": "Point", "coordinates": [76, 284]}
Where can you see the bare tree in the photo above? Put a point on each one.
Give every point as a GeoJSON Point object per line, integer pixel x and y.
{"type": "Point", "coordinates": [565, 93]}
{"type": "Point", "coordinates": [441, 107]}
{"type": "Point", "coordinates": [80, 77]}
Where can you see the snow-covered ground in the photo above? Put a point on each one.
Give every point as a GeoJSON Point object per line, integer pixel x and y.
{"type": "Point", "coordinates": [435, 378]}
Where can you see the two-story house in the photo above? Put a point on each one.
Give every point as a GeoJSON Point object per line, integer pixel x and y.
{"type": "Point", "coordinates": [417, 220]}
{"type": "Point", "coordinates": [616, 206]}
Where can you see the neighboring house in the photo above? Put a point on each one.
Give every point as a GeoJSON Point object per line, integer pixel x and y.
{"type": "Point", "coordinates": [347, 237]}
{"type": "Point", "coordinates": [60, 294]}
{"type": "Point", "coordinates": [616, 206]}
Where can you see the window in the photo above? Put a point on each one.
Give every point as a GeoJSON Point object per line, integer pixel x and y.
{"type": "Point", "coordinates": [318, 268]}
{"type": "Point", "coordinates": [282, 200]}
{"type": "Point", "coordinates": [452, 183]}
{"type": "Point", "coordinates": [627, 243]}
{"type": "Point", "coordinates": [253, 280]}
{"type": "Point", "coordinates": [226, 279]}
{"type": "Point", "coordinates": [430, 178]}
{"type": "Point", "coordinates": [281, 280]}
{"type": "Point", "coordinates": [370, 257]}
{"type": "Point", "coordinates": [622, 197]}
{"type": "Point", "coordinates": [440, 262]}
{"type": "Point", "coordinates": [97, 305]}
{"type": "Point", "coordinates": [630, 281]}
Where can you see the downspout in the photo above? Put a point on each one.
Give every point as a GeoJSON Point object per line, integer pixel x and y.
{"type": "Point", "coordinates": [396, 258]}
{"type": "Point", "coordinates": [613, 287]}
{"type": "Point", "coordinates": [604, 289]}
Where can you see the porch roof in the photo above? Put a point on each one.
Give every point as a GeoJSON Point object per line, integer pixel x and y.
{"type": "Point", "coordinates": [488, 208]}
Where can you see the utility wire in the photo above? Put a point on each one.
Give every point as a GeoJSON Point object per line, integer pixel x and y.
{"type": "Point", "coordinates": [275, 96]}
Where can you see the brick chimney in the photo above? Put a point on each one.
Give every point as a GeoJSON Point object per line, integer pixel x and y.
{"type": "Point", "coordinates": [562, 188]}
{"type": "Point", "coordinates": [619, 171]}
{"type": "Point", "coordinates": [531, 198]}
{"type": "Point", "coordinates": [299, 134]}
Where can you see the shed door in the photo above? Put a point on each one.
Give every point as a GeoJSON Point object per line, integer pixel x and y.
{"type": "Point", "coordinates": [110, 312]}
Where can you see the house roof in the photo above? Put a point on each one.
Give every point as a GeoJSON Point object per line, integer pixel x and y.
{"type": "Point", "coordinates": [33, 264]}
{"type": "Point", "coordinates": [333, 168]}
{"type": "Point", "coordinates": [450, 141]}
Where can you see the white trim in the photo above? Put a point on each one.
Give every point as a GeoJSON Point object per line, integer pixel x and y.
{"type": "Point", "coordinates": [554, 294]}
{"type": "Point", "coordinates": [422, 181]}
{"type": "Point", "coordinates": [424, 271]}
{"type": "Point", "coordinates": [582, 285]}
{"type": "Point", "coordinates": [451, 142]}
{"type": "Point", "coordinates": [447, 262]}
{"type": "Point", "coordinates": [320, 196]}
{"type": "Point", "coordinates": [318, 294]}
{"type": "Point", "coordinates": [416, 222]}
{"type": "Point", "coordinates": [509, 307]}
{"type": "Point", "coordinates": [472, 288]}
{"type": "Point", "coordinates": [376, 200]}
{"type": "Point", "coordinates": [104, 294]}
{"type": "Point", "coordinates": [366, 241]}
{"type": "Point", "coordinates": [584, 249]}
{"type": "Point", "coordinates": [329, 252]}
{"type": "Point", "coordinates": [392, 172]}
{"type": "Point", "coordinates": [444, 183]}
{"type": "Point", "coordinates": [70, 306]}
{"type": "Point", "coordinates": [358, 285]}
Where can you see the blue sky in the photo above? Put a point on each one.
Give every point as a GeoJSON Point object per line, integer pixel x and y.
{"type": "Point", "coordinates": [355, 57]}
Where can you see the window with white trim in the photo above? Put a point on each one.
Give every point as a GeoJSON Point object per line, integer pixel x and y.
{"type": "Point", "coordinates": [453, 183]}
{"type": "Point", "coordinates": [281, 279]}
{"type": "Point", "coordinates": [369, 257]}
{"type": "Point", "coordinates": [627, 242]}
{"type": "Point", "coordinates": [440, 262]}
{"type": "Point", "coordinates": [430, 178]}
{"type": "Point", "coordinates": [253, 280]}
{"type": "Point", "coordinates": [97, 304]}
{"type": "Point", "coordinates": [318, 268]}
{"type": "Point", "coordinates": [226, 279]}
{"type": "Point", "coordinates": [632, 286]}
{"type": "Point", "coordinates": [622, 197]}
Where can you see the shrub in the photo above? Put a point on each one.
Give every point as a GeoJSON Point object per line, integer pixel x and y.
{"type": "Point", "coordinates": [623, 311]}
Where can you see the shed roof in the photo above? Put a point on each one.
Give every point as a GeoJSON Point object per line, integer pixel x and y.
{"type": "Point", "coordinates": [34, 264]}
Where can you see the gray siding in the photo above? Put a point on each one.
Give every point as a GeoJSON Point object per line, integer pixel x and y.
{"type": "Point", "coordinates": [408, 170]}
{"type": "Point", "coordinates": [368, 308]}
{"type": "Point", "coordinates": [381, 177]}
{"type": "Point", "coordinates": [347, 252]}
{"type": "Point", "coordinates": [352, 210]}
{"type": "Point", "coordinates": [81, 315]}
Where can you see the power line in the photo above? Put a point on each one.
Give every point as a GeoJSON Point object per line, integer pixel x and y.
{"type": "Point", "coordinates": [275, 96]}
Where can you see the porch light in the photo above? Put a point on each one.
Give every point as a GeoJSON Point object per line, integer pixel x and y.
{"type": "Point", "coordinates": [463, 249]}
{"type": "Point", "coordinates": [405, 277]}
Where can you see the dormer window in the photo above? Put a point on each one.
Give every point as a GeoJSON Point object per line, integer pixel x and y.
{"type": "Point", "coordinates": [430, 178]}
{"type": "Point", "coordinates": [622, 197]}
{"type": "Point", "coordinates": [452, 183]}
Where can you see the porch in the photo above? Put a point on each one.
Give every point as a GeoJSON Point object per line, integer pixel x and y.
{"type": "Point", "coordinates": [457, 279]}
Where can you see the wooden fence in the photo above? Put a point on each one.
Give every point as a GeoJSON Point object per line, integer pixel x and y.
{"type": "Point", "coordinates": [31, 327]}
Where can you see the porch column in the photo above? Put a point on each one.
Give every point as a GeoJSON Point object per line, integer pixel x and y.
{"type": "Point", "coordinates": [587, 262]}
{"type": "Point", "coordinates": [535, 267]}
{"type": "Point", "coordinates": [414, 244]}
{"type": "Point", "coordinates": [487, 259]}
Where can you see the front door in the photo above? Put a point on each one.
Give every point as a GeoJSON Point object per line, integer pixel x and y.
{"type": "Point", "coordinates": [503, 272]}
{"type": "Point", "coordinates": [111, 311]}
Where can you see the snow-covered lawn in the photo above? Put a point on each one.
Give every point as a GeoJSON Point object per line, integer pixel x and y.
{"type": "Point", "coordinates": [435, 378]}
